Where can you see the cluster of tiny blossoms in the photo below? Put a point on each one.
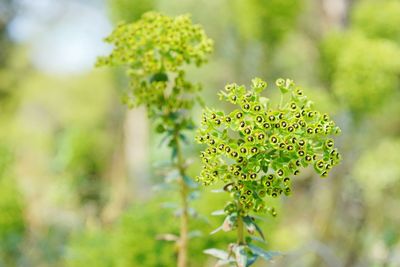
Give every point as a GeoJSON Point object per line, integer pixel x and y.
{"type": "Point", "coordinates": [256, 149]}
{"type": "Point", "coordinates": [154, 49]}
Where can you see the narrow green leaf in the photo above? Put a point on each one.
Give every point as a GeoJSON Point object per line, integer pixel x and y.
{"type": "Point", "coordinates": [168, 237]}
{"type": "Point", "coordinates": [218, 253]}
{"type": "Point", "coordinates": [217, 191]}
{"type": "Point", "coordinates": [189, 182]}
{"type": "Point", "coordinates": [195, 233]}
{"type": "Point", "coordinates": [172, 176]}
{"type": "Point", "coordinates": [184, 138]}
{"type": "Point", "coordinates": [165, 139]}
{"type": "Point", "coordinates": [252, 226]}
{"type": "Point", "coordinates": [194, 195]}
{"type": "Point", "coordinates": [218, 213]}
{"type": "Point", "coordinates": [267, 255]}
{"type": "Point", "coordinates": [256, 238]}
{"type": "Point", "coordinates": [251, 260]}
{"type": "Point", "coordinates": [174, 153]}
{"type": "Point", "coordinates": [216, 230]}
{"type": "Point", "coordinates": [241, 256]}
{"type": "Point", "coordinates": [229, 222]}
{"type": "Point", "coordinates": [224, 262]}
{"type": "Point", "coordinates": [162, 187]}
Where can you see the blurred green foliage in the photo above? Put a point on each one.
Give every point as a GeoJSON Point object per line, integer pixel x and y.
{"type": "Point", "coordinates": [137, 240]}
{"type": "Point", "coordinates": [362, 64]}
{"type": "Point", "coordinates": [378, 19]}
{"type": "Point", "coordinates": [83, 154]}
{"type": "Point", "coordinates": [367, 72]}
{"type": "Point", "coordinates": [129, 10]}
{"type": "Point", "coordinates": [267, 21]}
{"type": "Point", "coordinates": [378, 171]}
{"type": "Point", "coordinates": [12, 221]}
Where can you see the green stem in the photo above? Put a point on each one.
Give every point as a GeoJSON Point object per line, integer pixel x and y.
{"type": "Point", "coordinates": [184, 191]}
{"type": "Point", "coordinates": [281, 102]}
{"type": "Point", "coordinates": [240, 232]}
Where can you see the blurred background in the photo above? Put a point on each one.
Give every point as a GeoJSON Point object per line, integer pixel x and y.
{"type": "Point", "coordinates": [78, 170]}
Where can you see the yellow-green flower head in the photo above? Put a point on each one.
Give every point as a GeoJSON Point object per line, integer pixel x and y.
{"type": "Point", "coordinates": [154, 50]}
{"type": "Point", "coordinates": [158, 43]}
{"type": "Point", "coordinates": [259, 147]}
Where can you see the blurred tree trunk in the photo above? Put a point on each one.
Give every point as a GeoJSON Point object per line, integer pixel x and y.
{"type": "Point", "coordinates": [129, 170]}
{"type": "Point", "coordinates": [335, 14]}
{"type": "Point", "coordinates": [137, 153]}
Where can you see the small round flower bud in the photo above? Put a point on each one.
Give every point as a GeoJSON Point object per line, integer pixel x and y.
{"type": "Point", "coordinates": [273, 139]}
{"type": "Point", "coordinates": [271, 118]}
{"type": "Point", "coordinates": [329, 143]}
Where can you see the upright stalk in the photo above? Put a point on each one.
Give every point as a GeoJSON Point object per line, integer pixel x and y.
{"type": "Point", "coordinates": [184, 190]}
{"type": "Point", "coordinates": [149, 63]}
{"type": "Point", "coordinates": [240, 232]}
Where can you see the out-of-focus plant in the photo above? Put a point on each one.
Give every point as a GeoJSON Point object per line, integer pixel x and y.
{"type": "Point", "coordinates": [378, 173]}
{"type": "Point", "coordinates": [12, 223]}
{"type": "Point", "coordinates": [266, 20]}
{"type": "Point", "coordinates": [92, 247]}
{"type": "Point", "coordinates": [155, 51]}
{"type": "Point", "coordinates": [76, 156]}
{"type": "Point", "coordinates": [363, 63]}
{"type": "Point", "coordinates": [130, 10]}
{"type": "Point", "coordinates": [378, 19]}
{"type": "Point", "coordinates": [361, 66]}
{"type": "Point", "coordinates": [381, 161]}
{"type": "Point", "coordinates": [367, 73]}
{"type": "Point", "coordinates": [127, 242]}
{"type": "Point", "coordinates": [255, 150]}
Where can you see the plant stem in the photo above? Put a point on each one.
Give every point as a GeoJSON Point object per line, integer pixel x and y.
{"type": "Point", "coordinates": [281, 101]}
{"type": "Point", "coordinates": [184, 190]}
{"type": "Point", "coordinates": [240, 232]}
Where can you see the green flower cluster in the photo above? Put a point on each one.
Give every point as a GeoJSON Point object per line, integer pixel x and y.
{"type": "Point", "coordinates": [378, 19]}
{"type": "Point", "coordinates": [155, 49]}
{"type": "Point", "coordinates": [257, 148]}
{"type": "Point", "coordinates": [366, 72]}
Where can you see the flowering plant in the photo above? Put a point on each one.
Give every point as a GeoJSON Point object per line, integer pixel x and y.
{"type": "Point", "coordinates": [256, 150]}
